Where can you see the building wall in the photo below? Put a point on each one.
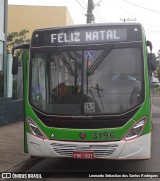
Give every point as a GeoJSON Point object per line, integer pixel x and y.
{"type": "Point", "coordinates": [10, 110]}
{"type": "Point", "coordinates": [3, 34]}
{"type": "Point", "coordinates": [33, 17]}
{"type": "Point", "coordinates": [69, 20]}
{"type": "Point", "coordinates": [2, 38]}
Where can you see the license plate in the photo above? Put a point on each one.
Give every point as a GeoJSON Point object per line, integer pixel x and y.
{"type": "Point", "coordinates": [83, 155]}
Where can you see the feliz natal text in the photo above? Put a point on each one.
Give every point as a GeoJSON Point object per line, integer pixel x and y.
{"type": "Point", "coordinates": [87, 36]}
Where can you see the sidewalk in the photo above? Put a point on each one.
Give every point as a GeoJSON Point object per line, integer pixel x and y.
{"type": "Point", "coordinates": [11, 146]}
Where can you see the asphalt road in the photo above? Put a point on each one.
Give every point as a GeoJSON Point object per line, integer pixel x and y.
{"type": "Point", "coordinates": [60, 165]}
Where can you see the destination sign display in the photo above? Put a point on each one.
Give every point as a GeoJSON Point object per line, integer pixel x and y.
{"type": "Point", "coordinates": [74, 36]}
{"type": "Point", "coordinates": [89, 36]}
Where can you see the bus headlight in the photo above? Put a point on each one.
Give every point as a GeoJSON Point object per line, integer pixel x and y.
{"type": "Point", "coordinates": [136, 130]}
{"type": "Point", "coordinates": [35, 129]}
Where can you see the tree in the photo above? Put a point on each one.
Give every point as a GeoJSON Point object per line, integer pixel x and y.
{"type": "Point", "coordinates": [158, 68]}
{"type": "Point", "coordinates": [15, 38]}
{"type": "Point", "coordinates": [158, 72]}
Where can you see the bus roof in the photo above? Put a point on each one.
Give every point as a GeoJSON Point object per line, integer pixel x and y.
{"type": "Point", "coordinates": [88, 25]}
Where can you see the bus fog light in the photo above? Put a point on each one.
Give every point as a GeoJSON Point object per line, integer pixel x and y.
{"type": "Point", "coordinates": [34, 128]}
{"type": "Point", "coordinates": [136, 130]}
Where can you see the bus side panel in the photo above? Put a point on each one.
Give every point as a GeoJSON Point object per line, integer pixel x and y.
{"type": "Point", "coordinates": [148, 103]}
{"type": "Point", "coordinates": [25, 59]}
{"type": "Point", "coordinates": [145, 109]}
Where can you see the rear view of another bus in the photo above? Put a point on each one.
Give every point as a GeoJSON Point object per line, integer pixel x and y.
{"type": "Point", "coordinates": [87, 92]}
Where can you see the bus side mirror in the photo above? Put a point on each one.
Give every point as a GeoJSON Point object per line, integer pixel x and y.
{"type": "Point", "coordinates": [15, 59]}
{"type": "Point", "coordinates": [152, 63]}
{"type": "Point", "coordinates": [149, 44]}
{"type": "Point", "coordinates": [15, 65]}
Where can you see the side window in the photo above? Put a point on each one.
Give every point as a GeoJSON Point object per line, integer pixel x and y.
{"type": "Point", "coordinates": [38, 80]}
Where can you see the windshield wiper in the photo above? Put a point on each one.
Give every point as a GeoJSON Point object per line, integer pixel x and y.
{"type": "Point", "coordinates": [66, 63]}
{"type": "Point", "coordinates": [98, 61]}
{"type": "Point", "coordinates": [98, 89]}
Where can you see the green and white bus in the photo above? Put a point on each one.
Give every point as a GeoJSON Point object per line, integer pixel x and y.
{"type": "Point", "coordinates": [87, 92]}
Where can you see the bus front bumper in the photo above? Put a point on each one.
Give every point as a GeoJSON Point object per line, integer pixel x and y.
{"type": "Point", "coordinates": [138, 148]}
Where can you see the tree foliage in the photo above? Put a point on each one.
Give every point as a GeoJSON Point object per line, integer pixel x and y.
{"type": "Point", "coordinates": [15, 38]}
{"type": "Point", "coordinates": [158, 68]}
{"type": "Point", "coordinates": [158, 72]}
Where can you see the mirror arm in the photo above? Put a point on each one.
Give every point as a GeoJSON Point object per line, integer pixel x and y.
{"type": "Point", "coordinates": [22, 46]}
{"type": "Point", "coordinates": [149, 44]}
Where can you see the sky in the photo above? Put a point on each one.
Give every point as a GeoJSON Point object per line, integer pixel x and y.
{"type": "Point", "coordinates": [146, 12]}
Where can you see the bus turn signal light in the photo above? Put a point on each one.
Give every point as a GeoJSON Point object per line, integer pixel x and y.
{"type": "Point", "coordinates": [34, 128]}
{"type": "Point", "coordinates": [136, 130]}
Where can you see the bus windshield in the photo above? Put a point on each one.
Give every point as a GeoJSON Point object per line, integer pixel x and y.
{"type": "Point", "coordinates": [86, 81]}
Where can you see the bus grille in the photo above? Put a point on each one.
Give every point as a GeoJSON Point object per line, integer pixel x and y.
{"type": "Point", "coordinates": [100, 151]}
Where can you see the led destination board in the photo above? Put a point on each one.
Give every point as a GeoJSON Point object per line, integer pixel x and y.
{"type": "Point", "coordinates": [72, 36]}
{"type": "Point", "coordinates": [89, 36]}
